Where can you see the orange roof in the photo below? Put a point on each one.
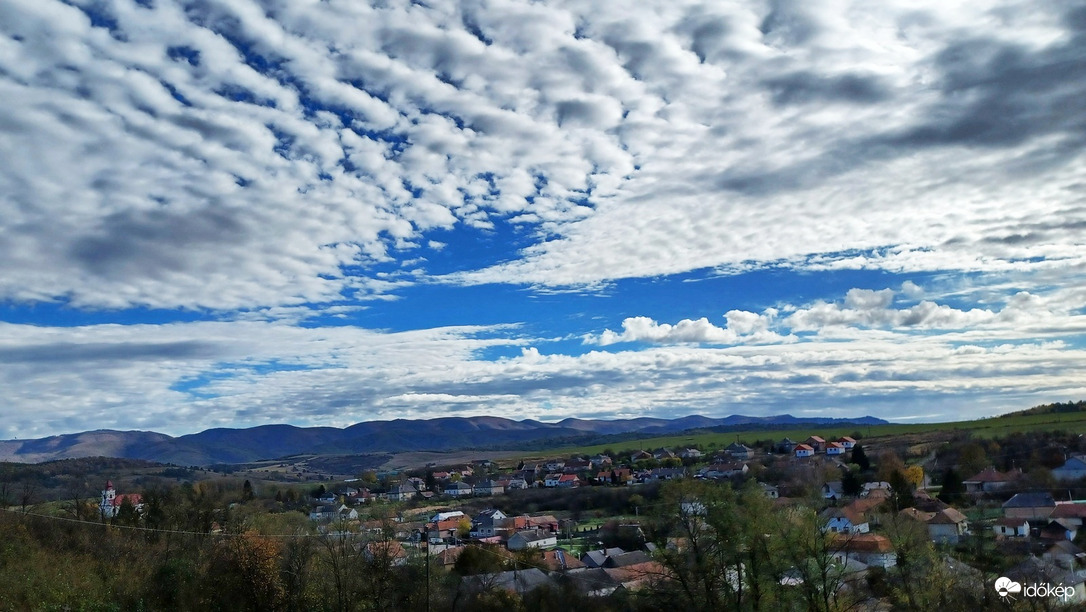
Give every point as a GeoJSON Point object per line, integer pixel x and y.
{"type": "Point", "coordinates": [864, 542]}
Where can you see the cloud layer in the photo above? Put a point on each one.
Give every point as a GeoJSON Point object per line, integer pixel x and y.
{"type": "Point", "coordinates": [274, 167]}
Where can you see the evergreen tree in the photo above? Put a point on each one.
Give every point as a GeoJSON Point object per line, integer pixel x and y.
{"type": "Point", "coordinates": [247, 491]}
{"type": "Point", "coordinates": [953, 487]}
{"type": "Point", "coordinates": [859, 457]}
{"type": "Point", "coordinates": [850, 484]}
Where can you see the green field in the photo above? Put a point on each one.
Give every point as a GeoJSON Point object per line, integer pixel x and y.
{"type": "Point", "coordinates": [985, 428]}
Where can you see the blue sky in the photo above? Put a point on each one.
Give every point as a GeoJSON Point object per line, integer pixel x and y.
{"type": "Point", "coordinates": [233, 213]}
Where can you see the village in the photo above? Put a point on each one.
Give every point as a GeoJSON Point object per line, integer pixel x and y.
{"type": "Point", "coordinates": [443, 511]}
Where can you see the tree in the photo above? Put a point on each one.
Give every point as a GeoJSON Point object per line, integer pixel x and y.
{"type": "Point", "coordinates": [247, 491]}
{"type": "Point", "coordinates": [972, 458]}
{"type": "Point", "coordinates": [902, 492]}
{"type": "Point", "coordinates": [859, 457]}
{"type": "Point", "coordinates": [914, 474]}
{"type": "Point", "coordinates": [953, 487]}
{"type": "Point", "coordinates": [850, 484]}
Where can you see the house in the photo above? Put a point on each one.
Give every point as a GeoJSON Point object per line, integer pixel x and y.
{"type": "Point", "coordinates": [833, 490]}
{"type": "Point", "coordinates": [1065, 554]}
{"type": "Point", "coordinates": [804, 450]}
{"type": "Point", "coordinates": [690, 453]}
{"type": "Point", "coordinates": [1011, 528]}
{"type": "Point", "coordinates": [815, 442]}
{"type": "Point", "coordinates": [844, 520]}
{"type": "Point", "coordinates": [543, 521]}
{"type": "Point", "coordinates": [323, 513]}
{"type": "Point", "coordinates": [445, 516]}
{"type": "Point", "coordinates": [667, 474]}
{"type": "Point", "coordinates": [723, 470]}
{"type": "Point", "coordinates": [552, 480]}
{"type": "Point", "coordinates": [847, 442]}
{"type": "Point", "coordinates": [1072, 469]}
{"type": "Point", "coordinates": [663, 454]}
{"type": "Point", "coordinates": [486, 523]}
{"type": "Point", "coordinates": [441, 531]}
{"type": "Point", "coordinates": [624, 559]}
{"type": "Point", "coordinates": [600, 461]}
{"type": "Point", "coordinates": [947, 526]}
{"type": "Point", "coordinates": [344, 513]}
{"type": "Point", "coordinates": [554, 465]}
{"type": "Point", "coordinates": [534, 538]}
{"type": "Point", "coordinates": [1032, 506]}
{"type": "Point", "coordinates": [458, 489]}
{"type": "Point", "coordinates": [489, 487]}
{"type": "Point", "coordinates": [770, 491]}
{"type": "Point", "coordinates": [597, 558]}
{"type": "Point", "coordinates": [560, 560]}
{"type": "Point", "coordinates": [868, 548]}
{"type": "Point", "coordinates": [568, 481]}
{"type": "Point", "coordinates": [516, 484]}
{"type": "Point", "coordinates": [521, 581]}
{"type": "Point", "coordinates": [386, 550]}
{"type": "Point", "coordinates": [990, 480]}
{"type": "Point", "coordinates": [1038, 571]}
{"type": "Point", "coordinates": [785, 447]}
{"type": "Point", "coordinates": [110, 504]}
{"type": "Point", "coordinates": [403, 492]}
{"type": "Point", "coordinates": [1055, 531]}
{"type": "Point", "coordinates": [1069, 514]}
{"type": "Point", "coordinates": [835, 448]}
{"type": "Point", "coordinates": [872, 487]}
{"type": "Point", "coordinates": [641, 456]}
{"type": "Point", "coordinates": [739, 451]}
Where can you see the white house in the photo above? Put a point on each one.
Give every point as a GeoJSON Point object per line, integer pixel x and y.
{"type": "Point", "coordinates": [845, 520]}
{"type": "Point", "coordinates": [835, 448]}
{"type": "Point", "coordinates": [532, 539]}
{"type": "Point", "coordinates": [804, 450]}
{"type": "Point", "coordinates": [458, 489]}
{"type": "Point", "coordinates": [1011, 528]}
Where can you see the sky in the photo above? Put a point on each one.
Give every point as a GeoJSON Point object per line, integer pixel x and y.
{"type": "Point", "coordinates": [229, 213]}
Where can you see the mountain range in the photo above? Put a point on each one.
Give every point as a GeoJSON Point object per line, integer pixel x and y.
{"type": "Point", "coordinates": [215, 446]}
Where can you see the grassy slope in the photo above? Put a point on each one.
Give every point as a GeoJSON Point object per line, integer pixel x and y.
{"type": "Point", "coordinates": [985, 428]}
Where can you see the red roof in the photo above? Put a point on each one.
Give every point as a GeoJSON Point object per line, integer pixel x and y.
{"type": "Point", "coordinates": [133, 498]}
{"type": "Point", "coordinates": [800, 447]}
{"type": "Point", "coordinates": [1069, 511]}
{"type": "Point", "coordinates": [846, 439]}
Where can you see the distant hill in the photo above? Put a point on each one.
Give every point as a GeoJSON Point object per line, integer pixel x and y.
{"type": "Point", "coordinates": [1057, 408]}
{"type": "Point", "coordinates": [216, 446]}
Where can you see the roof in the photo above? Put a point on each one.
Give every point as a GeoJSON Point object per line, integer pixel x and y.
{"type": "Point", "coordinates": [835, 445]}
{"type": "Point", "coordinates": [598, 557]}
{"type": "Point", "coordinates": [519, 581]}
{"type": "Point", "coordinates": [865, 542]}
{"type": "Point", "coordinates": [1036, 499]}
{"type": "Point", "coordinates": [1065, 547]}
{"type": "Point", "coordinates": [532, 535]}
{"type": "Point", "coordinates": [990, 474]}
{"type": "Point", "coordinates": [916, 514]}
{"type": "Point", "coordinates": [1012, 522]}
{"type": "Point", "coordinates": [556, 560]}
{"type": "Point", "coordinates": [816, 438]}
{"type": "Point", "coordinates": [800, 447]}
{"type": "Point", "coordinates": [634, 557]}
{"type": "Point", "coordinates": [846, 439]}
{"type": "Point", "coordinates": [948, 516]}
{"type": "Point", "coordinates": [1069, 511]}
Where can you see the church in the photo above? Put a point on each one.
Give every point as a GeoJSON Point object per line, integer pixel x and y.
{"type": "Point", "coordinates": [111, 501]}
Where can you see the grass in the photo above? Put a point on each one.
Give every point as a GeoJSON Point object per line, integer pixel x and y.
{"type": "Point", "coordinates": [984, 428]}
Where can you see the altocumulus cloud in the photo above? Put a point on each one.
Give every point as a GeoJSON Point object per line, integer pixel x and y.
{"type": "Point", "coordinates": [275, 165]}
